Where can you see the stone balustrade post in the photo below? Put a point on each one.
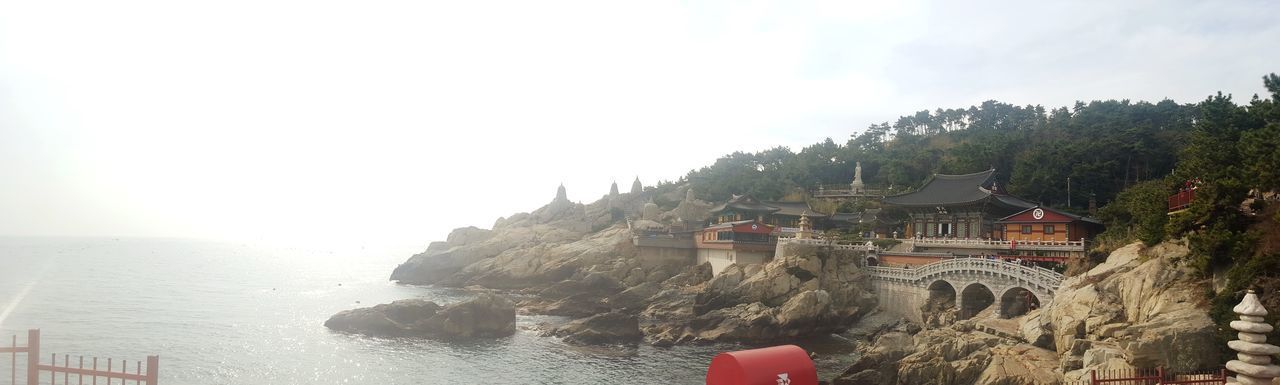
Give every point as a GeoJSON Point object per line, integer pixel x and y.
{"type": "Point", "coordinates": [1253, 364]}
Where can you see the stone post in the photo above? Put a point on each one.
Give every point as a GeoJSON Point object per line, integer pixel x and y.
{"type": "Point", "coordinates": [1253, 366]}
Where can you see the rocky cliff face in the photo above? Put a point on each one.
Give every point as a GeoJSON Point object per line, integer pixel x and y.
{"type": "Point", "coordinates": [808, 291]}
{"type": "Point", "coordinates": [1138, 309]}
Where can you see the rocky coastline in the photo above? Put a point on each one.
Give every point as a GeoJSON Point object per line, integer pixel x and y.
{"type": "Point", "coordinates": [579, 261]}
{"type": "Point", "coordinates": [1136, 310]}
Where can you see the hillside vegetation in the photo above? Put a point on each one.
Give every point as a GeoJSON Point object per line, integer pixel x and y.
{"type": "Point", "coordinates": [1129, 156]}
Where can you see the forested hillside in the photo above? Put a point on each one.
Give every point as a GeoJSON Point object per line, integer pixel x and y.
{"type": "Point", "coordinates": [1129, 155]}
{"type": "Point", "coordinates": [1103, 146]}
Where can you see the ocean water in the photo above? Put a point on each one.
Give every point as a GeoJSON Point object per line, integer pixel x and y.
{"type": "Point", "coordinates": [230, 313]}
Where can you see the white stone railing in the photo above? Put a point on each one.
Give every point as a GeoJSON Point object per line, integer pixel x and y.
{"type": "Point", "coordinates": [997, 244]}
{"type": "Point", "coordinates": [1043, 279]}
{"type": "Point", "coordinates": [827, 243]}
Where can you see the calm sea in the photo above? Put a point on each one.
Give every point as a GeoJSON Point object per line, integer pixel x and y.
{"type": "Point", "coordinates": [227, 313]}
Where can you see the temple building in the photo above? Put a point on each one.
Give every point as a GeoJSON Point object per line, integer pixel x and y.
{"type": "Point", "coordinates": [957, 206]}
{"type": "Point", "coordinates": [968, 215]}
{"type": "Point", "coordinates": [740, 208]}
{"type": "Point", "coordinates": [745, 230]}
{"type": "Point", "coordinates": [787, 218]}
{"type": "Point", "coordinates": [742, 242]}
{"type": "Point", "coordinates": [1044, 224]}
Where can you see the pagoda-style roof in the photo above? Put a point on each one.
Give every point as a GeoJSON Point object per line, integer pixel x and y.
{"type": "Point", "coordinates": [953, 190]}
{"type": "Point", "coordinates": [794, 209]}
{"type": "Point", "coordinates": [744, 203]}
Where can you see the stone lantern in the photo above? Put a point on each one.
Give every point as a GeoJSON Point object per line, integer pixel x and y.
{"type": "Point", "coordinates": [1253, 366]}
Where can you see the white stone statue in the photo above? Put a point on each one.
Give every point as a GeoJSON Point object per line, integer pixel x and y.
{"type": "Point", "coordinates": [857, 184]}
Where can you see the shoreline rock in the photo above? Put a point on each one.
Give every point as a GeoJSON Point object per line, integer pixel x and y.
{"type": "Point", "coordinates": [485, 316]}
{"type": "Point", "coordinates": [607, 328]}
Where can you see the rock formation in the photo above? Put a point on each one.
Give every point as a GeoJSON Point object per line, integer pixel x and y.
{"type": "Point", "coordinates": [558, 223]}
{"type": "Point", "coordinates": [808, 291]}
{"type": "Point", "coordinates": [486, 315]}
{"type": "Point", "coordinates": [950, 356]}
{"type": "Point", "coordinates": [580, 261]}
{"type": "Point", "coordinates": [1133, 313]}
{"type": "Point", "coordinates": [690, 210]}
{"type": "Point", "coordinates": [607, 328]}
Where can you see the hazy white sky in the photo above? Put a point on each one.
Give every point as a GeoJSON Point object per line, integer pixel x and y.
{"type": "Point", "coordinates": [393, 122]}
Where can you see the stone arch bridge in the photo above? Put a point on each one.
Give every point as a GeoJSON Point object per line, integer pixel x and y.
{"type": "Point", "coordinates": [974, 284]}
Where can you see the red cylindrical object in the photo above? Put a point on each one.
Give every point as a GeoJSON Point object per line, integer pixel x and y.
{"type": "Point", "coordinates": [777, 365]}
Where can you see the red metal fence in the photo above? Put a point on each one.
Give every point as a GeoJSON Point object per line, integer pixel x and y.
{"type": "Point", "coordinates": [90, 375]}
{"type": "Point", "coordinates": [1156, 376]}
{"type": "Point", "coordinates": [1182, 199]}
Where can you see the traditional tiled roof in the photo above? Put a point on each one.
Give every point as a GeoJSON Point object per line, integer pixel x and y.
{"type": "Point", "coordinates": [744, 203]}
{"type": "Point", "coordinates": [866, 216]}
{"type": "Point", "coordinates": [946, 190]}
{"type": "Point", "coordinates": [794, 209]}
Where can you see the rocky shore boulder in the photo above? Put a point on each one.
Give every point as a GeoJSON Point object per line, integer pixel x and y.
{"type": "Point", "coordinates": [955, 355]}
{"type": "Point", "coordinates": [608, 328]}
{"type": "Point", "coordinates": [484, 316]}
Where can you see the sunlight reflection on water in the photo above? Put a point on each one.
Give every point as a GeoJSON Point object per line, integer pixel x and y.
{"type": "Point", "coordinates": [222, 313]}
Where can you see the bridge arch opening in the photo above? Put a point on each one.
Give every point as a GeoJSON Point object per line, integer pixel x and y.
{"type": "Point", "coordinates": [939, 308]}
{"type": "Point", "coordinates": [1017, 301]}
{"type": "Point", "coordinates": [872, 261]}
{"type": "Point", "coordinates": [974, 299]}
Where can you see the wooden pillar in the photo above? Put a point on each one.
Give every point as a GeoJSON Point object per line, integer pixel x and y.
{"type": "Point", "coordinates": [33, 356]}
{"type": "Point", "coordinates": [153, 369]}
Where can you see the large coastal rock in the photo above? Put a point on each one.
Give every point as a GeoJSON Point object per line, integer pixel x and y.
{"type": "Point", "coordinates": [608, 328]}
{"type": "Point", "coordinates": [548, 262]}
{"type": "Point", "coordinates": [1139, 304]}
{"type": "Point", "coordinates": [809, 290]}
{"type": "Point", "coordinates": [951, 356]}
{"type": "Point", "coordinates": [559, 222]}
{"type": "Point", "coordinates": [534, 249]}
{"type": "Point", "coordinates": [486, 315]}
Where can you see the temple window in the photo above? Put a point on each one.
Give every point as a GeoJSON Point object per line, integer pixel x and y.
{"type": "Point", "coordinates": [1048, 229]}
{"type": "Point", "coordinates": [1026, 229]}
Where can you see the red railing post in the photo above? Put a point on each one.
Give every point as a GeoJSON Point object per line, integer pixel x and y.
{"type": "Point", "coordinates": [33, 356]}
{"type": "Point", "coordinates": [153, 369]}
{"type": "Point", "coordinates": [1093, 377]}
